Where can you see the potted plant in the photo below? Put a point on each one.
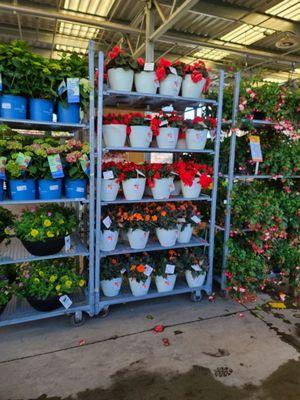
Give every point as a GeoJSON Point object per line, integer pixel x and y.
{"type": "Point", "coordinates": [165, 127]}
{"type": "Point", "coordinates": [43, 282]}
{"type": "Point", "coordinates": [189, 217]}
{"type": "Point", "coordinates": [167, 266]}
{"type": "Point", "coordinates": [5, 293]}
{"type": "Point", "coordinates": [196, 133]}
{"type": "Point", "coordinates": [120, 69]}
{"type": "Point", "coordinates": [111, 276]}
{"type": "Point", "coordinates": [133, 180]}
{"type": "Point", "coordinates": [195, 267]}
{"type": "Point", "coordinates": [139, 272]}
{"type": "Point", "coordinates": [165, 221]}
{"type": "Point", "coordinates": [109, 230]}
{"type": "Point", "coordinates": [114, 130]}
{"type": "Point", "coordinates": [169, 77]}
{"type": "Point", "coordinates": [160, 179]}
{"type": "Point", "coordinates": [144, 80]}
{"type": "Point", "coordinates": [110, 184]}
{"type": "Point", "coordinates": [193, 178]}
{"type": "Point", "coordinates": [43, 230]}
{"type": "Point", "coordinates": [137, 224]}
{"type": "Point", "coordinates": [6, 223]}
{"type": "Point", "coordinates": [195, 80]}
{"type": "Point", "coordinates": [77, 169]}
{"type": "Point", "coordinates": [138, 130]}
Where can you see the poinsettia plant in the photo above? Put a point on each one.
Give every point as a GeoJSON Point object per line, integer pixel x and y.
{"type": "Point", "coordinates": [163, 258]}
{"type": "Point", "coordinates": [132, 170]}
{"type": "Point", "coordinates": [158, 171]}
{"type": "Point", "coordinates": [165, 119]}
{"type": "Point", "coordinates": [111, 268]}
{"type": "Point", "coordinates": [119, 58]}
{"type": "Point", "coordinates": [136, 265]}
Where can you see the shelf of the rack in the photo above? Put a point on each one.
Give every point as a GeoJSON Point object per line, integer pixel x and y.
{"type": "Point", "coordinates": [255, 122]}
{"type": "Point", "coordinates": [149, 101]}
{"type": "Point", "coordinates": [126, 296]}
{"type": "Point", "coordinates": [123, 248]}
{"type": "Point", "coordinates": [155, 150]}
{"type": "Point", "coordinates": [61, 200]}
{"type": "Point", "coordinates": [40, 125]}
{"type": "Point", "coordinates": [15, 252]}
{"type": "Point", "coordinates": [18, 310]}
{"type": "Point", "coordinates": [151, 200]}
{"type": "Point", "coordinates": [274, 177]}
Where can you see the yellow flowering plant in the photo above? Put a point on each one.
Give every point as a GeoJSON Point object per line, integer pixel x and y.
{"type": "Point", "coordinates": [48, 278]}
{"type": "Point", "coordinates": [46, 222]}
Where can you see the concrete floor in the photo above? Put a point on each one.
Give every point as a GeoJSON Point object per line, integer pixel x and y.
{"type": "Point", "coordinates": [123, 359]}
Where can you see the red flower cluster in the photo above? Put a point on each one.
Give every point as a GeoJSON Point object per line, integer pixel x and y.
{"type": "Point", "coordinates": [189, 170]}
{"type": "Point", "coordinates": [197, 71]}
{"type": "Point", "coordinates": [141, 61]}
{"type": "Point", "coordinates": [115, 119]}
{"type": "Point", "coordinates": [161, 69]}
{"type": "Point", "coordinates": [174, 121]}
{"type": "Point", "coordinates": [131, 170]}
{"type": "Point", "coordinates": [158, 171]}
{"type": "Point", "coordinates": [114, 53]}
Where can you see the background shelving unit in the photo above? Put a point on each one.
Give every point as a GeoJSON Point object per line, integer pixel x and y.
{"type": "Point", "coordinates": [82, 245]}
{"type": "Point", "coordinates": [147, 102]}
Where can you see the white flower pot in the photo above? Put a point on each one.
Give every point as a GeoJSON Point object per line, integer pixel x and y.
{"type": "Point", "coordinates": [167, 237]}
{"type": "Point", "coordinates": [192, 89]}
{"type": "Point", "coordinates": [164, 285]}
{"type": "Point", "coordinates": [191, 192]}
{"type": "Point", "coordinates": [177, 190]}
{"type": "Point", "coordinates": [111, 288]}
{"type": "Point", "coordinates": [137, 238]}
{"type": "Point", "coordinates": [196, 139]}
{"type": "Point", "coordinates": [171, 85]}
{"type": "Point", "coordinates": [145, 82]}
{"type": "Point", "coordinates": [114, 135]}
{"type": "Point", "coordinates": [109, 189]}
{"type": "Point", "coordinates": [140, 136]}
{"type": "Point", "coordinates": [167, 138]}
{"type": "Point", "coordinates": [185, 234]}
{"type": "Point", "coordinates": [194, 282]}
{"type": "Point", "coordinates": [139, 288]}
{"type": "Point", "coordinates": [108, 240]}
{"type": "Point", "coordinates": [134, 188]}
{"type": "Point", "coordinates": [120, 79]}
{"type": "Point", "coordinates": [181, 144]}
{"type": "Point", "coordinates": [162, 188]}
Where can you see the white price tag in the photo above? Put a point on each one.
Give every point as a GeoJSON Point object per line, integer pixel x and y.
{"type": "Point", "coordinates": [108, 175]}
{"type": "Point", "coordinates": [196, 267]}
{"type": "Point", "coordinates": [53, 187]}
{"type": "Point", "coordinates": [6, 106]}
{"type": "Point", "coordinates": [65, 301]}
{"type": "Point", "coordinates": [174, 173]}
{"type": "Point", "coordinates": [149, 66]}
{"type": "Point", "coordinates": [196, 219]}
{"type": "Point", "coordinates": [170, 269]}
{"type": "Point", "coordinates": [163, 123]}
{"type": "Point", "coordinates": [80, 189]}
{"type": "Point", "coordinates": [148, 270]}
{"type": "Point", "coordinates": [140, 173]}
{"type": "Point", "coordinates": [173, 70]}
{"type": "Point", "coordinates": [21, 188]}
{"type": "Point", "coordinates": [68, 243]}
{"type": "Point", "coordinates": [123, 270]}
{"type": "Point", "coordinates": [107, 222]}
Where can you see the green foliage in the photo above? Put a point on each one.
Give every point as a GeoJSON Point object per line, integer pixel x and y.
{"type": "Point", "coordinates": [162, 258]}
{"type": "Point", "coordinates": [194, 256]}
{"type": "Point", "coordinates": [5, 292]}
{"type": "Point", "coordinates": [111, 268]}
{"type": "Point", "coordinates": [6, 222]}
{"type": "Point", "coordinates": [135, 265]}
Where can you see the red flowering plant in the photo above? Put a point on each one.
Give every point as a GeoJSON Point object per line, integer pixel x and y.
{"type": "Point", "coordinates": [115, 119]}
{"type": "Point", "coordinates": [158, 171]}
{"type": "Point", "coordinates": [198, 123]}
{"type": "Point", "coordinates": [140, 64]}
{"type": "Point", "coordinates": [131, 170]}
{"type": "Point", "coordinates": [137, 119]}
{"type": "Point", "coordinates": [119, 58]}
{"type": "Point", "coordinates": [164, 120]}
{"type": "Point", "coordinates": [190, 170]}
{"type": "Point", "coordinates": [115, 167]}
{"type": "Point", "coordinates": [165, 67]}
{"type": "Point", "coordinates": [186, 211]}
{"type": "Point", "coordinates": [198, 71]}
{"type": "Point", "coordinates": [211, 122]}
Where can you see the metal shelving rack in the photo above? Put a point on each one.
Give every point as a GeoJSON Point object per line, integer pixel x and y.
{"type": "Point", "coordinates": [111, 98]}
{"type": "Point", "coordinates": [232, 177]}
{"type": "Point", "coordinates": [18, 310]}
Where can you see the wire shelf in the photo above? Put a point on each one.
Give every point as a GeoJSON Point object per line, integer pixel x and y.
{"type": "Point", "coordinates": [40, 125]}
{"type": "Point", "coordinates": [155, 150]}
{"type": "Point", "coordinates": [152, 200]}
{"type": "Point", "coordinates": [37, 201]}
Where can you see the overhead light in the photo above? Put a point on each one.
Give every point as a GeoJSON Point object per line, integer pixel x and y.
{"type": "Point", "coordinates": [289, 9]}
{"type": "Point", "coordinates": [287, 41]}
{"type": "Point", "coordinates": [247, 34]}
{"type": "Point", "coordinates": [211, 54]}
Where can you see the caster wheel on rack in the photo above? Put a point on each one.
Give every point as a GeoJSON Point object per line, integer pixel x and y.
{"type": "Point", "coordinates": [78, 319]}
{"type": "Point", "coordinates": [196, 297]}
{"type": "Point", "coordinates": [104, 312]}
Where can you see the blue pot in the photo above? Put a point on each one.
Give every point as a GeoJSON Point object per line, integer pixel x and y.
{"type": "Point", "coordinates": [13, 107]}
{"type": "Point", "coordinates": [1, 190]}
{"type": "Point", "coordinates": [68, 114]}
{"type": "Point", "coordinates": [41, 110]}
{"type": "Point", "coordinates": [22, 189]}
{"type": "Point", "coordinates": [75, 188]}
{"type": "Point", "coordinates": [49, 189]}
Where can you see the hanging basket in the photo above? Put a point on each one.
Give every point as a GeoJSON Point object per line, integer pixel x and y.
{"type": "Point", "coordinates": [46, 248]}
{"type": "Point", "coordinates": [49, 304]}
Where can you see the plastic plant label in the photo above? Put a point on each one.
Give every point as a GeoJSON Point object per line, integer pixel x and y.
{"type": "Point", "coordinates": [140, 173]}
{"type": "Point", "coordinates": [62, 87]}
{"type": "Point", "coordinates": [174, 173]}
{"type": "Point", "coordinates": [123, 270]}
{"type": "Point", "coordinates": [149, 66]}
{"type": "Point", "coordinates": [53, 187]}
{"type": "Point", "coordinates": [6, 106]}
{"type": "Point", "coordinates": [255, 148]}
{"type": "Point", "coordinates": [80, 189]}
{"type": "Point", "coordinates": [22, 160]}
{"type": "Point", "coordinates": [73, 90]}
{"type": "Point", "coordinates": [85, 164]}
{"type": "Point", "coordinates": [163, 123]}
{"type": "Point", "coordinates": [55, 166]}
{"type": "Point", "coordinates": [68, 243]}
{"type": "Point", "coordinates": [65, 301]}
{"type": "Point", "coordinates": [196, 219]}
{"type": "Point", "coordinates": [196, 267]}
{"type": "Point", "coordinates": [107, 222]}
{"type": "Point", "coordinates": [148, 270]}
{"type": "Point", "coordinates": [3, 168]}
{"type": "Point", "coordinates": [170, 269]}
{"type": "Point", "coordinates": [21, 188]}
{"type": "Point", "coordinates": [108, 175]}
{"type": "Point", "coordinates": [0, 82]}
{"type": "Point", "coordinates": [173, 70]}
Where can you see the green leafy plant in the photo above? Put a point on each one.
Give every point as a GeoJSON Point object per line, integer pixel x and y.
{"type": "Point", "coordinates": [194, 256]}
{"type": "Point", "coordinates": [136, 266]}
{"type": "Point", "coordinates": [111, 268]}
{"type": "Point", "coordinates": [5, 292]}
{"type": "Point", "coordinates": [161, 259]}
{"type": "Point", "coordinates": [6, 223]}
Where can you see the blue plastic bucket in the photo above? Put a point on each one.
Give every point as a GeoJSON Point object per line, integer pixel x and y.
{"type": "Point", "coordinates": [13, 107]}
{"type": "Point", "coordinates": [22, 189]}
{"type": "Point", "coordinates": [41, 110]}
{"type": "Point", "coordinates": [49, 189]}
{"type": "Point", "coordinates": [75, 188]}
{"type": "Point", "coordinates": [68, 114]}
{"type": "Point", "coordinates": [1, 190]}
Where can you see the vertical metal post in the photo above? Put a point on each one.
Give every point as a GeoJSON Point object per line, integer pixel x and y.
{"type": "Point", "coordinates": [99, 175]}
{"type": "Point", "coordinates": [235, 104]}
{"type": "Point", "coordinates": [149, 11]}
{"type": "Point", "coordinates": [215, 184]}
{"type": "Point", "coordinates": [92, 181]}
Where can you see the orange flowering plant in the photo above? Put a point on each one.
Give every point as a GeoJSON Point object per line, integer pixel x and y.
{"type": "Point", "coordinates": [194, 256]}
{"type": "Point", "coordinates": [164, 258]}
{"type": "Point", "coordinates": [164, 216]}
{"type": "Point", "coordinates": [187, 210]}
{"type": "Point", "coordinates": [136, 265]}
{"type": "Point", "coordinates": [137, 218]}
{"type": "Point", "coordinates": [111, 268]}
{"type": "Point", "coordinates": [109, 219]}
